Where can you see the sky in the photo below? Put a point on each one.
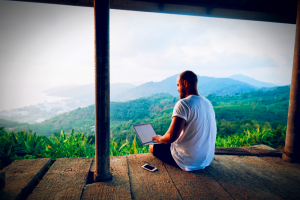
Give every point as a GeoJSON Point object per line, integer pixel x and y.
{"type": "Point", "coordinates": [44, 46]}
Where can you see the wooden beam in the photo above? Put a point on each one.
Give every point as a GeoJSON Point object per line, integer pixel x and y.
{"type": "Point", "coordinates": [2, 180]}
{"type": "Point", "coordinates": [197, 8]}
{"type": "Point", "coordinates": [102, 91]}
{"type": "Point", "coordinates": [292, 141]}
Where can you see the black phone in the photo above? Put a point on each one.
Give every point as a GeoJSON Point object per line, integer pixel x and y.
{"type": "Point", "coordinates": [149, 167]}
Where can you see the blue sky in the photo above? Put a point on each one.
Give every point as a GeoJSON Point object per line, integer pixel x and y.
{"type": "Point", "coordinates": [45, 46]}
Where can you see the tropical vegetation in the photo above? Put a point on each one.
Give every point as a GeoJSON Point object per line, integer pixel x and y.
{"type": "Point", "coordinates": [28, 145]}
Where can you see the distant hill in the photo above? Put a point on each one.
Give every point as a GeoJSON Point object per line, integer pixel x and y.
{"type": "Point", "coordinates": [251, 81]}
{"type": "Point", "coordinates": [206, 85]}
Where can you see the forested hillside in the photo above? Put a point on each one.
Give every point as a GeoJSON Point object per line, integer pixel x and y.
{"type": "Point", "coordinates": [7, 123]}
{"type": "Point", "coordinates": [141, 108]}
{"type": "Point", "coordinates": [233, 113]}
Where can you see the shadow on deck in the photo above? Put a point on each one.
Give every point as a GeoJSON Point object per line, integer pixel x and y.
{"type": "Point", "coordinates": [247, 173]}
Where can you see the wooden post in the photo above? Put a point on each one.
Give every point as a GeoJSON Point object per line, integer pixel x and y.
{"type": "Point", "coordinates": [292, 141]}
{"type": "Point", "coordinates": [102, 92]}
{"type": "Point", "coordinates": [2, 181]}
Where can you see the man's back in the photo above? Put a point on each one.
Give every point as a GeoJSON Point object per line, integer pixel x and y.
{"type": "Point", "coordinates": [194, 149]}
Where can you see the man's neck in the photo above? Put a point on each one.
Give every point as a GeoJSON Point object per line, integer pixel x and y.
{"type": "Point", "coordinates": [192, 92]}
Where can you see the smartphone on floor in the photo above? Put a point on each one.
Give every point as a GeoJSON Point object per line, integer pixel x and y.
{"type": "Point", "coordinates": [149, 167]}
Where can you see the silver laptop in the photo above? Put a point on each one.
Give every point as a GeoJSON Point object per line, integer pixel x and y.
{"type": "Point", "coordinates": [145, 133]}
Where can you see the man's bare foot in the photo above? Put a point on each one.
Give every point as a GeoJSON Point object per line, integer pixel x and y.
{"type": "Point", "coordinates": [151, 148]}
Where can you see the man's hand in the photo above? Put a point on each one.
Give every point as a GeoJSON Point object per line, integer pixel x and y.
{"type": "Point", "coordinates": [157, 138]}
{"type": "Point", "coordinates": [173, 133]}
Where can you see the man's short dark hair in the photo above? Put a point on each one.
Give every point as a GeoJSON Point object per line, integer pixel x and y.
{"type": "Point", "coordinates": [190, 77]}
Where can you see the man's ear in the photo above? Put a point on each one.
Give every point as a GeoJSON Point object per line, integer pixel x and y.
{"type": "Point", "coordinates": [185, 83]}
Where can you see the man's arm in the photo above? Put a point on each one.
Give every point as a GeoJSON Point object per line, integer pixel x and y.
{"type": "Point", "coordinates": [173, 132]}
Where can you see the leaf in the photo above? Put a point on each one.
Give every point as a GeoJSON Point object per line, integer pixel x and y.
{"type": "Point", "coordinates": [134, 145]}
{"type": "Point", "coordinates": [29, 149]}
{"type": "Point", "coordinates": [120, 149]}
{"type": "Point", "coordinates": [56, 140]}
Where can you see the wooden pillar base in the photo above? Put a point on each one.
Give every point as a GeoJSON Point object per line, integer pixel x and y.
{"type": "Point", "coordinates": [102, 177]}
{"type": "Point", "coordinates": [291, 159]}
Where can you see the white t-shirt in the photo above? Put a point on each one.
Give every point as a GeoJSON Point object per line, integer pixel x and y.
{"type": "Point", "coordinates": [195, 147]}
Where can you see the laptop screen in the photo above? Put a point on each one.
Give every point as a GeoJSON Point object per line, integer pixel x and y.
{"type": "Point", "coordinates": [145, 132]}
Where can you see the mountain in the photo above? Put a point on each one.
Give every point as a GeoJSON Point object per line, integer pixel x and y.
{"type": "Point", "coordinates": [137, 83]}
{"type": "Point", "coordinates": [116, 88]}
{"type": "Point", "coordinates": [126, 91]}
{"type": "Point", "coordinates": [251, 81]}
{"type": "Point", "coordinates": [206, 85]}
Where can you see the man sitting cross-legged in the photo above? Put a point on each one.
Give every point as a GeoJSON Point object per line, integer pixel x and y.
{"type": "Point", "coordinates": [190, 140]}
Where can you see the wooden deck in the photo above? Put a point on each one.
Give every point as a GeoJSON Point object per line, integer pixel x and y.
{"type": "Point", "coordinates": [247, 173]}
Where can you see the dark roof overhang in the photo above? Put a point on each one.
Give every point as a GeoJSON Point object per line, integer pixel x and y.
{"type": "Point", "coordinates": [281, 11]}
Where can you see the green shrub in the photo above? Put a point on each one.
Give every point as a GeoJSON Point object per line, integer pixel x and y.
{"type": "Point", "coordinates": [265, 135]}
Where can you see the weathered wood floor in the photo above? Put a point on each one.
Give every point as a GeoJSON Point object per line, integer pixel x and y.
{"type": "Point", "coordinates": [262, 174]}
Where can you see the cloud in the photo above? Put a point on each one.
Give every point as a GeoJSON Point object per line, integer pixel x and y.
{"type": "Point", "coordinates": [162, 45]}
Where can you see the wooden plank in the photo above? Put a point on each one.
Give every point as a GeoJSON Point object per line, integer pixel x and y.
{"type": "Point", "coordinates": [236, 181]}
{"type": "Point", "coordinates": [248, 151]}
{"type": "Point", "coordinates": [64, 180]}
{"type": "Point", "coordinates": [150, 185]}
{"type": "Point", "coordinates": [196, 184]}
{"type": "Point", "coordinates": [259, 146]}
{"type": "Point", "coordinates": [290, 170]}
{"type": "Point", "coordinates": [21, 177]}
{"type": "Point", "coordinates": [232, 151]}
{"type": "Point", "coordinates": [263, 150]}
{"type": "Point", "coordinates": [117, 188]}
{"type": "Point", "coordinates": [252, 177]}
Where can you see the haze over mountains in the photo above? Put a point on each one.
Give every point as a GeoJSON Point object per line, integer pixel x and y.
{"type": "Point", "coordinates": [87, 90]}
{"type": "Point", "coordinates": [125, 91]}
